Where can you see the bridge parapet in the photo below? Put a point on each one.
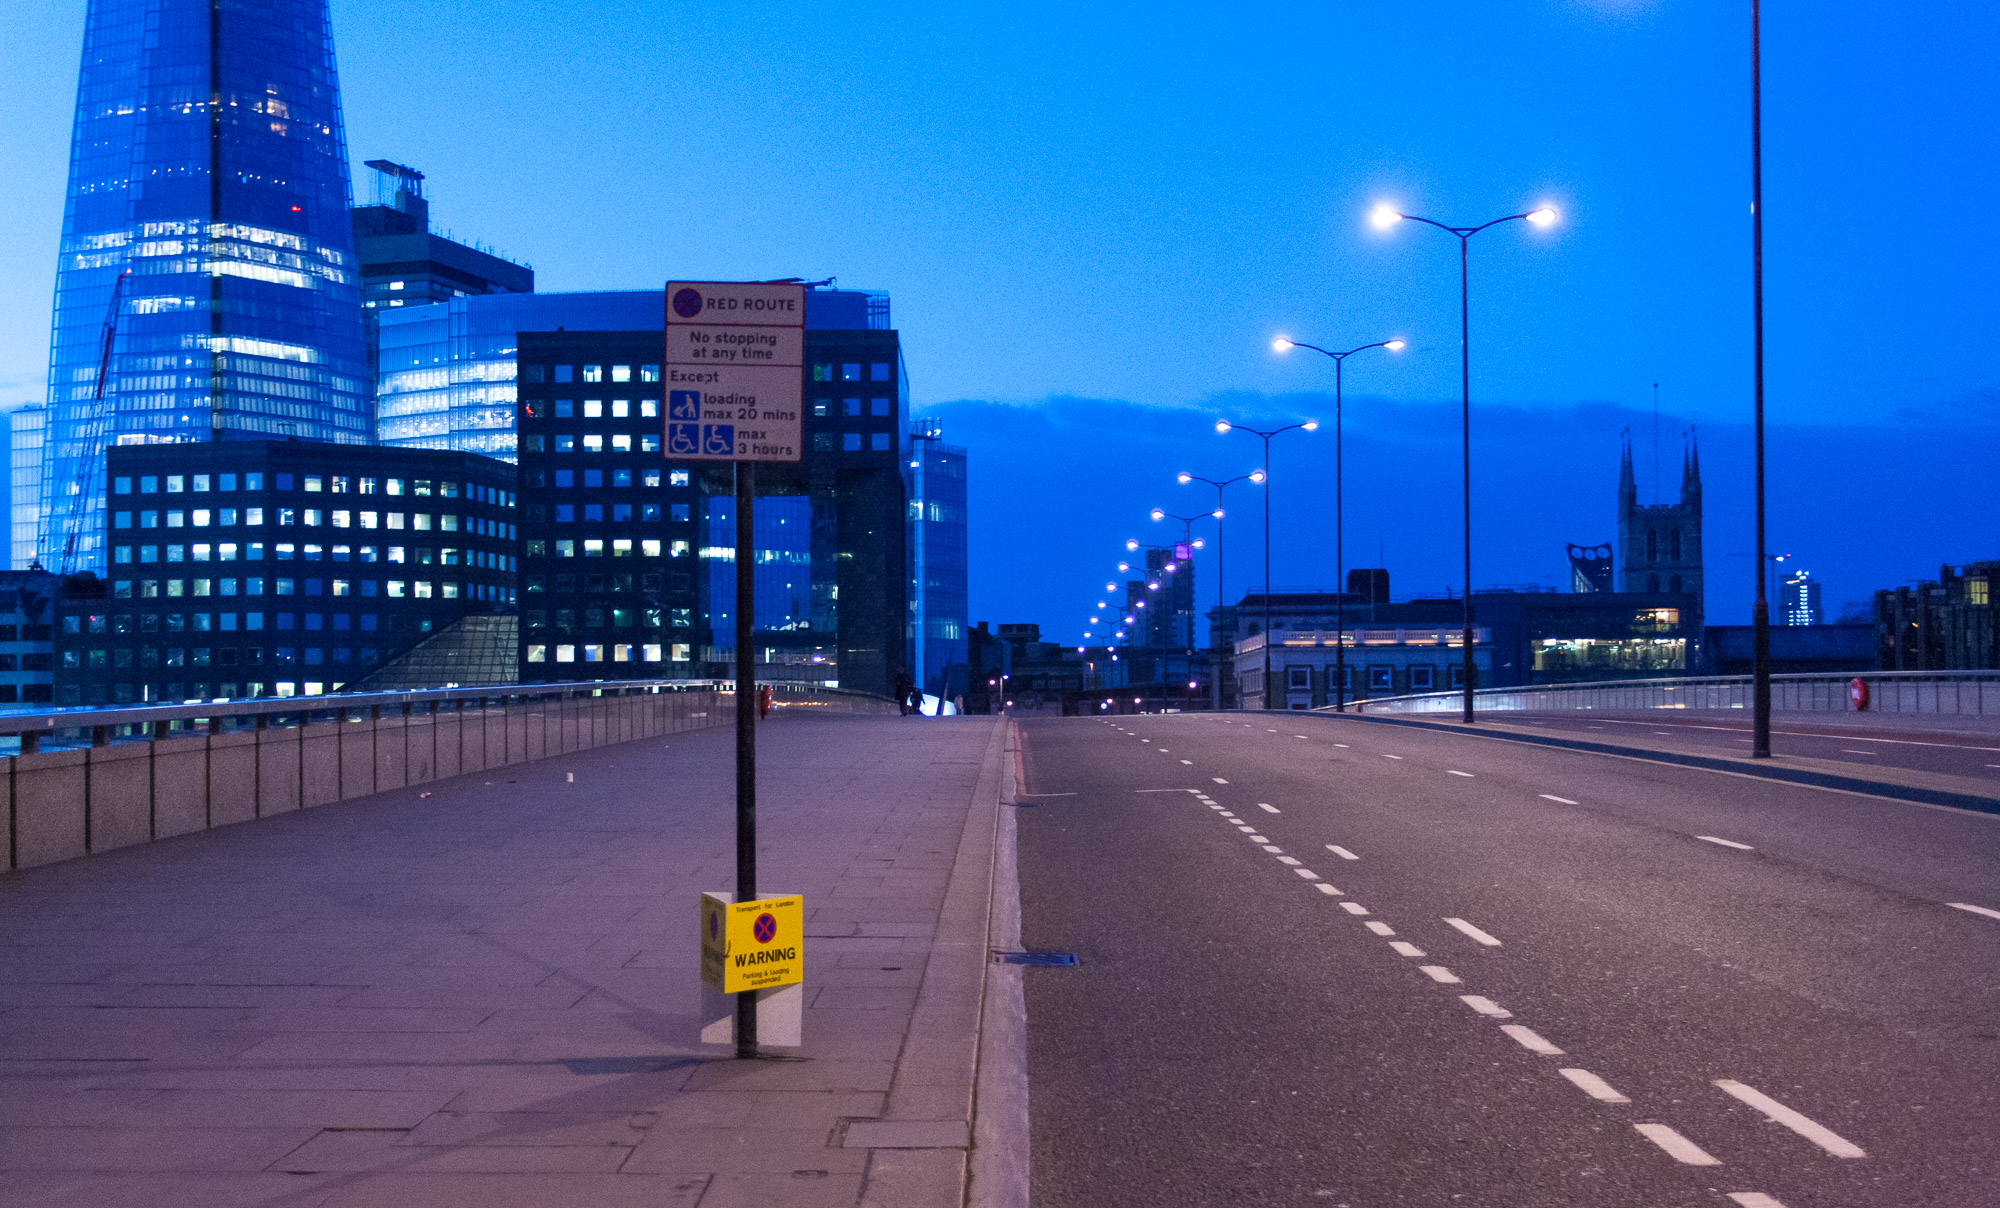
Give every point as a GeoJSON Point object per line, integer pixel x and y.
{"type": "Point", "coordinates": [1969, 693]}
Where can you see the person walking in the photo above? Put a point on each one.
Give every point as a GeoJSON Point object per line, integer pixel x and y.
{"type": "Point", "coordinates": [904, 686]}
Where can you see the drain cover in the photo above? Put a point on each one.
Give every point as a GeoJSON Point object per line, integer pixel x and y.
{"type": "Point", "coordinates": [1035, 958]}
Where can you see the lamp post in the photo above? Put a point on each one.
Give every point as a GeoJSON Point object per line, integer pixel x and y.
{"type": "Point", "coordinates": [1256, 476]}
{"type": "Point", "coordinates": [1339, 511]}
{"type": "Point", "coordinates": [1385, 217]}
{"type": "Point", "coordinates": [1168, 567]}
{"type": "Point", "coordinates": [1193, 543]}
{"type": "Point", "coordinates": [1223, 425]}
{"type": "Point", "coordinates": [1760, 612]}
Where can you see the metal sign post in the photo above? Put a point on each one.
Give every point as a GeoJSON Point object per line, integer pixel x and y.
{"type": "Point", "coordinates": [735, 368]}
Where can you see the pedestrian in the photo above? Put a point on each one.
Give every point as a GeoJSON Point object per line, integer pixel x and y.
{"type": "Point", "coordinates": [904, 686]}
{"type": "Point", "coordinates": [763, 701]}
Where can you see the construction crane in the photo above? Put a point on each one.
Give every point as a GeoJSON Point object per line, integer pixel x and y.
{"type": "Point", "coordinates": [91, 438]}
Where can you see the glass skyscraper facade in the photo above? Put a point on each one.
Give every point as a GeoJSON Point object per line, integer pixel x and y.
{"type": "Point", "coordinates": [939, 610]}
{"type": "Point", "coordinates": [207, 264]}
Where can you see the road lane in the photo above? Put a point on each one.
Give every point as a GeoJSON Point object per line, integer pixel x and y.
{"type": "Point", "coordinates": [1658, 964]}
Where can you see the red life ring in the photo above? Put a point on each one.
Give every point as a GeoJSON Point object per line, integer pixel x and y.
{"type": "Point", "coordinates": [1857, 694]}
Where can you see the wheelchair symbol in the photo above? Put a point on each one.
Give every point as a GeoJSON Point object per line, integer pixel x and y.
{"type": "Point", "coordinates": [719, 440]}
{"type": "Point", "coordinates": [684, 404]}
{"type": "Point", "coordinates": [684, 439]}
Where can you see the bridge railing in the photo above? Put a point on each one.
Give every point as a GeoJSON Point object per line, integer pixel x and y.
{"type": "Point", "coordinates": [1946, 692]}
{"type": "Point", "coordinates": [90, 780]}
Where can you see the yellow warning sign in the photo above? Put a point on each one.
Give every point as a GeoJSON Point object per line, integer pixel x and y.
{"type": "Point", "coordinates": [752, 945]}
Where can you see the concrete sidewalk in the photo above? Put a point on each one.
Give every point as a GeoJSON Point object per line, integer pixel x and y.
{"type": "Point", "coordinates": [484, 992]}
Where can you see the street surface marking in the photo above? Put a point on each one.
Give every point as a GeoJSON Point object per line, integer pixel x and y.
{"type": "Point", "coordinates": [1342, 852]}
{"type": "Point", "coordinates": [1300, 736]}
{"type": "Point", "coordinates": [1341, 745]}
{"type": "Point", "coordinates": [1556, 799]}
{"type": "Point", "coordinates": [1292, 861]}
{"type": "Point", "coordinates": [1381, 929]}
{"type": "Point", "coordinates": [1307, 873]}
{"type": "Point", "coordinates": [1166, 790]}
{"type": "Point", "coordinates": [1388, 756]}
{"type": "Point", "coordinates": [1450, 772]}
{"type": "Point", "coordinates": [1248, 830]}
{"type": "Point", "coordinates": [1725, 843]}
{"type": "Point", "coordinates": [1846, 751]}
{"type": "Point", "coordinates": [1260, 839]}
{"type": "Point", "coordinates": [1485, 1006]}
{"type": "Point", "coordinates": [1440, 974]}
{"type": "Point", "coordinates": [1354, 908]}
{"type": "Point", "coordinates": [1991, 914]}
{"type": "Point", "coordinates": [1267, 807]}
{"type": "Point", "coordinates": [1406, 949]}
{"type": "Point", "coordinates": [1188, 762]}
{"type": "Point", "coordinates": [1818, 1134]}
{"type": "Point", "coordinates": [1474, 932]}
{"type": "Point", "coordinates": [1590, 1084]}
{"type": "Point", "coordinates": [1330, 891]}
{"type": "Point", "coordinates": [1270, 731]}
{"type": "Point", "coordinates": [1218, 780]}
{"type": "Point", "coordinates": [1754, 1199]}
{"type": "Point", "coordinates": [1679, 1148]}
{"type": "Point", "coordinates": [1529, 1041]}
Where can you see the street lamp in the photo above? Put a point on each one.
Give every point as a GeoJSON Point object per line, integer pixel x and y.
{"type": "Point", "coordinates": [1157, 637]}
{"type": "Point", "coordinates": [1282, 344]}
{"type": "Point", "coordinates": [1193, 543]}
{"type": "Point", "coordinates": [1384, 217]}
{"type": "Point", "coordinates": [1223, 425]}
{"type": "Point", "coordinates": [1254, 476]}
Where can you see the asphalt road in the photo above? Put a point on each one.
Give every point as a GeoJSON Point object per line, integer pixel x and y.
{"type": "Point", "coordinates": [1546, 977]}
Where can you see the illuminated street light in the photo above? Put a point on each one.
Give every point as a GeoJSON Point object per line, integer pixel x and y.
{"type": "Point", "coordinates": [1223, 425]}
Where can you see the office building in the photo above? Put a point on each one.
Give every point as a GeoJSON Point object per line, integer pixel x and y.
{"type": "Point", "coordinates": [1951, 623]}
{"type": "Point", "coordinates": [27, 635]}
{"type": "Point", "coordinates": [207, 267]}
{"type": "Point", "coordinates": [403, 262]}
{"type": "Point", "coordinates": [280, 568]}
{"type": "Point", "coordinates": [938, 563]}
{"type": "Point", "coordinates": [27, 433]}
{"type": "Point", "coordinates": [446, 371]}
{"type": "Point", "coordinates": [1798, 600]}
{"type": "Point", "coordinates": [628, 559]}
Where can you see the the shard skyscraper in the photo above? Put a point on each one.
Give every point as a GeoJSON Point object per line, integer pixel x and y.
{"type": "Point", "coordinates": [207, 270]}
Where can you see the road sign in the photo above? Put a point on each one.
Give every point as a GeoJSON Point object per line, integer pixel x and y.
{"type": "Point", "coordinates": [752, 945]}
{"type": "Point", "coordinates": [735, 362]}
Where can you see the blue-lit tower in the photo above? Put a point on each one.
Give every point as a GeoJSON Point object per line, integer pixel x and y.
{"type": "Point", "coordinates": [207, 270]}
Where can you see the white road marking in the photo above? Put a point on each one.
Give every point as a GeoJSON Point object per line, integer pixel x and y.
{"type": "Point", "coordinates": [1406, 949]}
{"type": "Point", "coordinates": [1474, 932]}
{"type": "Point", "coordinates": [1440, 974]}
{"type": "Point", "coordinates": [1451, 772]}
{"type": "Point", "coordinates": [1260, 839]}
{"type": "Point", "coordinates": [1679, 1148]}
{"type": "Point", "coordinates": [1299, 736]}
{"type": "Point", "coordinates": [1293, 861]}
{"type": "Point", "coordinates": [1754, 1199]}
{"type": "Point", "coordinates": [1819, 1134]}
{"type": "Point", "coordinates": [1247, 829]}
{"type": "Point", "coordinates": [1529, 1041]}
{"type": "Point", "coordinates": [1556, 799]}
{"type": "Point", "coordinates": [1307, 873]}
{"type": "Point", "coordinates": [1991, 914]}
{"type": "Point", "coordinates": [1485, 1006]}
{"type": "Point", "coordinates": [1330, 891]}
{"type": "Point", "coordinates": [1188, 762]}
{"type": "Point", "coordinates": [1381, 929]}
{"type": "Point", "coordinates": [1268, 731]}
{"type": "Point", "coordinates": [1388, 756]}
{"type": "Point", "coordinates": [1342, 852]}
{"type": "Point", "coordinates": [1267, 807]}
{"type": "Point", "coordinates": [1590, 1084]}
{"type": "Point", "coordinates": [1847, 751]}
{"type": "Point", "coordinates": [1341, 745]}
{"type": "Point", "coordinates": [1218, 780]}
{"type": "Point", "coordinates": [1354, 908]}
{"type": "Point", "coordinates": [1725, 843]}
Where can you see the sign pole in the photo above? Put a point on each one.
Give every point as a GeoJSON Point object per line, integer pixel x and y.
{"type": "Point", "coordinates": [746, 732]}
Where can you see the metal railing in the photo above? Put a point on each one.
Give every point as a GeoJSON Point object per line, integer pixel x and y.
{"type": "Point", "coordinates": [1972, 693]}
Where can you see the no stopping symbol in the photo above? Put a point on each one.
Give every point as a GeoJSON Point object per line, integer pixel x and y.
{"type": "Point", "coordinates": [765, 928]}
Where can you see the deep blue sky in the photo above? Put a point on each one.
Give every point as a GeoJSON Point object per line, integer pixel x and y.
{"type": "Point", "coordinates": [1124, 202]}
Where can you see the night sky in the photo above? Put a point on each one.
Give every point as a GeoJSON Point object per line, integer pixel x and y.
{"type": "Point", "coordinates": [1094, 219]}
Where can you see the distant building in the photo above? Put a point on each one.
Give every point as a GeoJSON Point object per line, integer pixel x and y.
{"type": "Point", "coordinates": [1659, 544]}
{"type": "Point", "coordinates": [27, 636]}
{"type": "Point", "coordinates": [1014, 668]}
{"type": "Point", "coordinates": [1795, 649]}
{"type": "Point", "coordinates": [405, 263]}
{"type": "Point", "coordinates": [1589, 567]}
{"type": "Point", "coordinates": [1798, 600]}
{"type": "Point", "coordinates": [1380, 661]}
{"type": "Point", "coordinates": [1951, 623]}
{"type": "Point", "coordinates": [939, 618]}
{"type": "Point", "coordinates": [27, 434]}
{"type": "Point", "coordinates": [280, 568]}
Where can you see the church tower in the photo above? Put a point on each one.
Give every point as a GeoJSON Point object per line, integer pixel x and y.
{"type": "Point", "coordinates": [1659, 544]}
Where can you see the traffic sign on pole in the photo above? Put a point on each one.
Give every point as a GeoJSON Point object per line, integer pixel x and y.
{"type": "Point", "coordinates": [735, 361]}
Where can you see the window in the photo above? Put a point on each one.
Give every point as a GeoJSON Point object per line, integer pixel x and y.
{"type": "Point", "coordinates": [565, 408]}
{"type": "Point", "coordinates": [565, 373]}
{"type": "Point", "coordinates": [312, 482]}
{"type": "Point", "coordinates": [677, 478]}
{"type": "Point", "coordinates": [621, 373]}
{"type": "Point", "coordinates": [1299, 679]}
{"type": "Point", "coordinates": [175, 484]}
{"type": "Point", "coordinates": [879, 371]}
{"type": "Point", "coordinates": [822, 442]}
{"type": "Point", "coordinates": [1653, 548]}
{"type": "Point", "coordinates": [879, 441]}
{"type": "Point", "coordinates": [620, 408]}
{"type": "Point", "coordinates": [878, 406]}
{"type": "Point", "coordinates": [593, 373]}
{"type": "Point", "coordinates": [851, 442]}
{"type": "Point", "coordinates": [850, 373]}
{"type": "Point", "coordinates": [850, 406]}
{"type": "Point", "coordinates": [1422, 679]}
{"type": "Point", "coordinates": [148, 485]}
{"type": "Point", "coordinates": [650, 407]}
{"type": "Point", "coordinates": [121, 486]}
{"type": "Point", "coordinates": [821, 373]}
{"type": "Point", "coordinates": [593, 408]}
{"type": "Point", "coordinates": [1380, 678]}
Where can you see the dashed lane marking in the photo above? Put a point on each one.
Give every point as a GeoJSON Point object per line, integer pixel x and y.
{"type": "Point", "coordinates": [1218, 780]}
{"type": "Point", "coordinates": [1754, 1199]}
{"type": "Point", "coordinates": [1529, 1041]}
{"type": "Point", "coordinates": [1342, 852]}
{"type": "Point", "coordinates": [1725, 843]}
{"type": "Point", "coordinates": [1454, 772]}
{"type": "Point", "coordinates": [1679, 1148]}
{"type": "Point", "coordinates": [1847, 751]}
{"type": "Point", "coordinates": [1385, 755]}
{"type": "Point", "coordinates": [1485, 1006]}
{"type": "Point", "coordinates": [1440, 974]}
{"type": "Point", "coordinates": [1354, 908]}
{"type": "Point", "coordinates": [1381, 929]}
{"type": "Point", "coordinates": [1269, 731]}
{"type": "Point", "coordinates": [1267, 807]}
{"type": "Point", "coordinates": [1188, 762]}
{"type": "Point", "coordinates": [1300, 736]}
{"type": "Point", "coordinates": [1330, 891]}
{"type": "Point", "coordinates": [1404, 948]}
{"type": "Point", "coordinates": [1341, 745]}
{"type": "Point", "coordinates": [1556, 799]}
{"type": "Point", "coordinates": [1257, 839]}
{"type": "Point", "coordinates": [1819, 1134]}
{"type": "Point", "coordinates": [1290, 861]}
{"type": "Point", "coordinates": [1474, 932]}
{"type": "Point", "coordinates": [1307, 873]}
{"type": "Point", "coordinates": [1991, 914]}
{"type": "Point", "coordinates": [1590, 1084]}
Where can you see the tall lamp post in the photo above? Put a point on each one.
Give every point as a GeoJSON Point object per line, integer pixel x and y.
{"type": "Point", "coordinates": [1193, 543]}
{"type": "Point", "coordinates": [1223, 425]}
{"type": "Point", "coordinates": [1168, 567]}
{"type": "Point", "coordinates": [1760, 612]}
{"type": "Point", "coordinates": [1385, 217]}
{"type": "Point", "coordinates": [1254, 476]}
{"type": "Point", "coordinates": [1281, 344]}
